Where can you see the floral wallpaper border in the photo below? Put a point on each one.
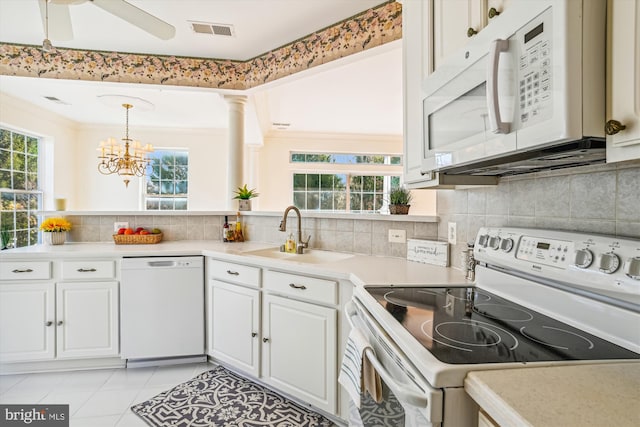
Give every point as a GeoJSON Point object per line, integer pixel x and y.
{"type": "Point", "coordinates": [371, 28]}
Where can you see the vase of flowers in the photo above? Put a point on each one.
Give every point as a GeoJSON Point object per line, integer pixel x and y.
{"type": "Point", "coordinates": [244, 196]}
{"type": "Point", "coordinates": [55, 230]}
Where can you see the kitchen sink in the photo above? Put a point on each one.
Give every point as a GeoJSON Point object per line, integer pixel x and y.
{"type": "Point", "coordinates": [310, 256]}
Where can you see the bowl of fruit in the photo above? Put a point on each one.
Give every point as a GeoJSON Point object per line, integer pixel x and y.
{"type": "Point", "coordinates": [137, 236]}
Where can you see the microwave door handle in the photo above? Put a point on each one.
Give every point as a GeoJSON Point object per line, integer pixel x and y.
{"type": "Point", "coordinates": [493, 100]}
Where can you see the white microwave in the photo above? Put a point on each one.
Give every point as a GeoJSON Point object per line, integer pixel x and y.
{"type": "Point", "coordinates": [528, 93]}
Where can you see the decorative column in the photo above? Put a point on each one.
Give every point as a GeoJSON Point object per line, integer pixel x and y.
{"type": "Point", "coordinates": [235, 146]}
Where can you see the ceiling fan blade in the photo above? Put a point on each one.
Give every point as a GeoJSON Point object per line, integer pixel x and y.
{"type": "Point", "coordinates": [60, 28]}
{"type": "Point", "coordinates": [137, 17]}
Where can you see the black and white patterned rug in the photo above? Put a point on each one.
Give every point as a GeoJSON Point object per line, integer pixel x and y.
{"type": "Point", "coordinates": [222, 398]}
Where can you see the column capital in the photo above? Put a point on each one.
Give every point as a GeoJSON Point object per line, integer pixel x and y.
{"type": "Point", "coordinates": [235, 99]}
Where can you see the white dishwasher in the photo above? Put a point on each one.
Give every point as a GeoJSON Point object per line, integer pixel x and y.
{"type": "Point", "coordinates": [162, 310]}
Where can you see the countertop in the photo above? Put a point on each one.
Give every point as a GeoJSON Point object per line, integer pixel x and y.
{"type": "Point", "coordinates": [360, 269]}
{"type": "Point", "coordinates": [578, 395]}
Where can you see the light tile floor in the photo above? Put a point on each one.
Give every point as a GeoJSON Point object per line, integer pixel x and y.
{"type": "Point", "coordinates": [99, 397]}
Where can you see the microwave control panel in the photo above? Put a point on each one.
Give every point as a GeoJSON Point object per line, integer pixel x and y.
{"type": "Point", "coordinates": [535, 70]}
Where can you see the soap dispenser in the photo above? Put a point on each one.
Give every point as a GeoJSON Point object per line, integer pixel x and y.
{"type": "Point", "coordinates": [290, 245]}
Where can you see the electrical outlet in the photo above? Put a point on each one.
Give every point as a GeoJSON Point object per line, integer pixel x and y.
{"type": "Point", "coordinates": [118, 225]}
{"type": "Point", "coordinates": [452, 235]}
{"type": "Point", "coordinates": [397, 236]}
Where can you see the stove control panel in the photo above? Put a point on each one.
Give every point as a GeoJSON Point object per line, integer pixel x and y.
{"type": "Point", "coordinates": [605, 264]}
{"type": "Point", "coordinates": [552, 252]}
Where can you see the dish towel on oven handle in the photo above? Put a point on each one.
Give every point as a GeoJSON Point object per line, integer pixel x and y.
{"type": "Point", "coordinates": [356, 373]}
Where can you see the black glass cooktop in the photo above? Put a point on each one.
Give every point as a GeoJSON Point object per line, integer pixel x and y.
{"type": "Point", "coordinates": [471, 325]}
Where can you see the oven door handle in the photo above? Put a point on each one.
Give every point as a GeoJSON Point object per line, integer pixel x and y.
{"type": "Point", "coordinates": [403, 395]}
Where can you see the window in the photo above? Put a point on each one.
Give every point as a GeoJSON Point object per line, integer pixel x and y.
{"type": "Point", "coordinates": [347, 159]}
{"type": "Point", "coordinates": [364, 193]}
{"type": "Point", "coordinates": [167, 184]}
{"type": "Point", "coordinates": [20, 193]}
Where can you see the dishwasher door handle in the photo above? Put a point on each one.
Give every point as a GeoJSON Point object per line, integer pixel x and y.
{"type": "Point", "coordinates": [161, 263]}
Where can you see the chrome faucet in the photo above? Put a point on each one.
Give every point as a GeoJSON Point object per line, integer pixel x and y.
{"type": "Point", "coordinates": [301, 244]}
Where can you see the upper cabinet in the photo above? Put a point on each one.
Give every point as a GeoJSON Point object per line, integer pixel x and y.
{"type": "Point", "coordinates": [457, 21]}
{"type": "Point", "coordinates": [623, 80]}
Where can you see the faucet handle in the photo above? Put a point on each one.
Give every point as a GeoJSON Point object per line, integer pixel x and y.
{"type": "Point", "coordinates": [305, 244]}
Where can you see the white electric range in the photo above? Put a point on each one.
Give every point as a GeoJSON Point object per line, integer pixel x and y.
{"type": "Point", "coordinates": [541, 298]}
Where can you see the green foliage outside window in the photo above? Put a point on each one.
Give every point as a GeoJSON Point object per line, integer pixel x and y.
{"type": "Point", "coordinates": [167, 184]}
{"type": "Point", "coordinates": [20, 196]}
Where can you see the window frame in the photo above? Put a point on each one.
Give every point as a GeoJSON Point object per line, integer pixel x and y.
{"type": "Point", "coordinates": [32, 213]}
{"type": "Point", "coordinates": [144, 196]}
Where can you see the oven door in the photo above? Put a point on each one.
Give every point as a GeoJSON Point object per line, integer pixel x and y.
{"type": "Point", "coordinates": [408, 400]}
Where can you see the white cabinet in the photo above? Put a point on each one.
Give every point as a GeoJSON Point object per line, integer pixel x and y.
{"type": "Point", "coordinates": [41, 320]}
{"type": "Point", "coordinates": [623, 80]}
{"type": "Point", "coordinates": [285, 334]}
{"type": "Point", "coordinates": [416, 42]}
{"type": "Point", "coordinates": [234, 325]}
{"type": "Point", "coordinates": [455, 22]}
{"type": "Point", "coordinates": [299, 351]}
{"type": "Point", "coordinates": [86, 319]}
{"type": "Point", "coordinates": [27, 321]}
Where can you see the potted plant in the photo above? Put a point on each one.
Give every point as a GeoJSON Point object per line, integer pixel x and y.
{"type": "Point", "coordinates": [55, 230]}
{"type": "Point", "coordinates": [244, 196]}
{"type": "Point", "coordinates": [399, 201]}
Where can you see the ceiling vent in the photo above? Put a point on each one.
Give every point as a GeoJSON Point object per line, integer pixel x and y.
{"type": "Point", "coordinates": [56, 100]}
{"type": "Point", "coordinates": [212, 29]}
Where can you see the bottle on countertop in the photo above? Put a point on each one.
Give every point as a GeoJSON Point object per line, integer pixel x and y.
{"type": "Point", "coordinates": [239, 237]}
{"type": "Point", "coordinates": [231, 235]}
{"type": "Point", "coordinates": [225, 229]}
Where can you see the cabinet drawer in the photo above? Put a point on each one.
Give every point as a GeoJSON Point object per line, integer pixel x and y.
{"type": "Point", "coordinates": [235, 273]}
{"type": "Point", "coordinates": [88, 270]}
{"type": "Point", "coordinates": [25, 270]}
{"type": "Point", "coordinates": [309, 288]}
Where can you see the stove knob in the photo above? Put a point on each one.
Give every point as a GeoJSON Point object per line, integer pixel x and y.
{"type": "Point", "coordinates": [632, 268]}
{"type": "Point", "coordinates": [584, 258]}
{"type": "Point", "coordinates": [507, 244]}
{"type": "Point", "coordinates": [609, 263]}
{"type": "Point", "coordinates": [483, 240]}
{"type": "Point", "coordinates": [494, 243]}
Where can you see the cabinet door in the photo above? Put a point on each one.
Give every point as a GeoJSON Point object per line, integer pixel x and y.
{"type": "Point", "coordinates": [299, 350]}
{"type": "Point", "coordinates": [234, 324]}
{"type": "Point", "coordinates": [452, 19]}
{"type": "Point", "coordinates": [87, 319]}
{"type": "Point", "coordinates": [623, 78]}
{"type": "Point", "coordinates": [27, 328]}
{"type": "Point", "coordinates": [416, 43]}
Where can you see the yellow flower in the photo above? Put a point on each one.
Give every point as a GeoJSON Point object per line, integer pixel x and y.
{"type": "Point", "coordinates": [55, 224]}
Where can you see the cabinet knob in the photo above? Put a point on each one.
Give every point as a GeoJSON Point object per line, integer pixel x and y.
{"type": "Point", "coordinates": [294, 286]}
{"type": "Point", "coordinates": [59, 323]}
{"type": "Point", "coordinates": [493, 13]}
{"type": "Point", "coordinates": [471, 32]}
{"type": "Point", "coordinates": [48, 323]}
{"type": "Point", "coordinates": [265, 339]}
{"type": "Point", "coordinates": [233, 273]}
{"type": "Point", "coordinates": [613, 126]}
{"type": "Point", "coordinates": [254, 334]}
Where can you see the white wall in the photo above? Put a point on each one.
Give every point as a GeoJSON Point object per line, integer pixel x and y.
{"type": "Point", "coordinates": [275, 171]}
{"type": "Point", "coordinates": [207, 166]}
{"type": "Point", "coordinates": [60, 132]}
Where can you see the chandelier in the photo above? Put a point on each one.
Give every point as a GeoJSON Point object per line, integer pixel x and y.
{"type": "Point", "coordinates": [130, 159]}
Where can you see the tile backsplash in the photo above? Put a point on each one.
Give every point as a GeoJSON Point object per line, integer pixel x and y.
{"type": "Point", "coordinates": [361, 236]}
{"type": "Point", "coordinates": [596, 199]}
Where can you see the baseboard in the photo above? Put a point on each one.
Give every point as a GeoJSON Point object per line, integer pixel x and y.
{"type": "Point", "coordinates": [60, 365]}
{"type": "Point", "coordinates": [143, 363]}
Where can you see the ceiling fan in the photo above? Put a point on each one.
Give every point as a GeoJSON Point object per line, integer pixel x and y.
{"type": "Point", "coordinates": [59, 18]}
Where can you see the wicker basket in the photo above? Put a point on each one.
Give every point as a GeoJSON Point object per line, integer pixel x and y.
{"type": "Point", "coordinates": [137, 239]}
